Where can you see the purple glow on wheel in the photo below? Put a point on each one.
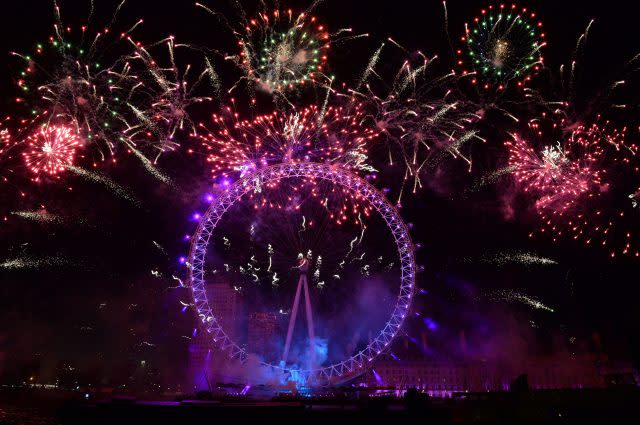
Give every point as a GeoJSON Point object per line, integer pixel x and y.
{"type": "Point", "coordinates": [354, 365]}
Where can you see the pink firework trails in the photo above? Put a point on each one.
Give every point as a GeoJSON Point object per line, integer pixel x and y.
{"type": "Point", "coordinates": [334, 136]}
{"type": "Point", "coordinates": [558, 174]}
{"type": "Point", "coordinates": [50, 149]}
{"type": "Point", "coordinates": [580, 186]}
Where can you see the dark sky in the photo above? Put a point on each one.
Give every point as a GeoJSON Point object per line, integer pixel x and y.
{"type": "Point", "coordinates": [105, 301]}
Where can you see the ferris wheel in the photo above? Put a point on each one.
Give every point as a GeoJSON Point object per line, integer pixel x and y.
{"type": "Point", "coordinates": [337, 371]}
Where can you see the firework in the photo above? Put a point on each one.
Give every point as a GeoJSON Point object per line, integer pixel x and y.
{"type": "Point", "coordinates": [281, 50]}
{"type": "Point", "coordinates": [44, 217]}
{"type": "Point", "coordinates": [514, 296]}
{"type": "Point", "coordinates": [51, 149]}
{"type": "Point", "coordinates": [108, 87]}
{"type": "Point", "coordinates": [506, 258]}
{"type": "Point", "coordinates": [333, 135]}
{"type": "Point", "coordinates": [579, 169]}
{"type": "Point", "coordinates": [567, 105]}
{"type": "Point", "coordinates": [418, 116]}
{"type": "Point", "coordinates": [489, 178]}
{"type": "Point", "coordinates": [41, 216]}
{"type": "Point", "coordinates": [7, 143]}
{"type": "Point", "coordinates": [272, 231]}
{"type": "Point", "coordinates": [558, 174]}
{"type": "Point", "coordinates": [607, 216]}
{"type": "Point", "coordinates": [69, 78]}
{"type": "Point", "coordinates": [502, 45]}
{"type": "Point", "coordinates": [583, 187]}
{"type": "Point", "coordinates": [36, 263]}
{"type": "Point", "coordinates": [169, 92]}
{"type": "Point", "coordinates": [112, 186]}
{"type": "Point", "coordinates": [150, 166]}
{"type": "Point", "coordinates": [11, 167]}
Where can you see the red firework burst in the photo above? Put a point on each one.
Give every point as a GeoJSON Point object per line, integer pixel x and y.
{"type": "Point", "coordinates": [557, 174]}
{"type": "Point", "coordinates": [334, 135]}
{"type": "Point", "coordinates": [51, 148]}
{"type": "Point", "coordinates": [585, 188]}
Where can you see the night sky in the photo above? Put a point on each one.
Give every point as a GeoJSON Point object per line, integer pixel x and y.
{"type": "Point", "coordinates": [107, 304]}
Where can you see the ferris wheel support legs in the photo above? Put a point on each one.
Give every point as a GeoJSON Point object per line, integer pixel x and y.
{"type": "Point", "coordinates": [302, 282]}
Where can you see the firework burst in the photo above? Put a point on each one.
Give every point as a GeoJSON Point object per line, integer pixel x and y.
{"type": "Point", "coordinates": [335, 135]}
{"type": "Point", "coordinates": [559, 174]}
{"type": "Point", "coordinates": [50, 149]}
{"type": "Point", "coordinates": [162, 110]}
{"type": "Point", "coordinates": [502, 45]}
{"type": "Point", "coordinates": [419, 117]}
{"type": "Point", "coordinates": [69, 78]}
{"type": "Point", "coordinates": [109, 89]}
{"type": "Point", "coordinates": [282, 50]}
{"type": "Point", "coordinates": [583, 187]}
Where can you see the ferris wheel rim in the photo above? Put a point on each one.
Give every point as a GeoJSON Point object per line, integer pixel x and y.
{"type": "Point", "coordinates": [338, 176]}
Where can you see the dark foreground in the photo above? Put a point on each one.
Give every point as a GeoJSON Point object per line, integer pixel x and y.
{"type": "Point", "coordinates": [571, 406]}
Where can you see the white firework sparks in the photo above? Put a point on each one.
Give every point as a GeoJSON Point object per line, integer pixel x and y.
{"type": "Point", "coordinates": [514, 296]}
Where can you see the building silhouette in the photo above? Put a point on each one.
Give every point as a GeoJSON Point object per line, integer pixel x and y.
{"type": "Point", "coordinates": [441, 378]}
{"type": "Point", "coordinates": [262, 333]}
{"type": "Point", "coordinates": [225, 305]}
